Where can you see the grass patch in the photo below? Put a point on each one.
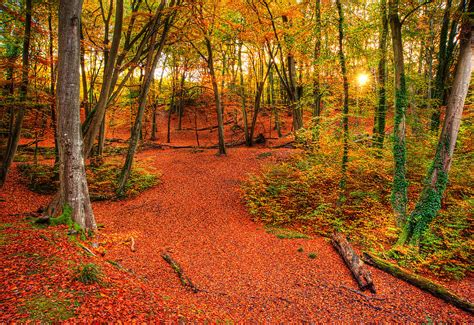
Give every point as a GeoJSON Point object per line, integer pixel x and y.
{"type": "Point", "coordinates": [49, 309]}
{"type": "Point", "coordinates": [89, 273]}
{"type": "Point", "coordinates": [284, 233]}
{"type": "Point", "coordinates": [312, 255]}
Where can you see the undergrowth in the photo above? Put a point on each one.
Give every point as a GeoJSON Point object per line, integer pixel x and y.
{"type": "Point", "coordinates": [301, 193]}
{"type": "Point", "coordinates": [101, 178]}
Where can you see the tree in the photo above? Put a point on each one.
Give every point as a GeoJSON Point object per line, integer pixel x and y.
{"type": "Point", "coordinates": [345, 109]}
{"type": "Point", "coordinates": [16, 119]}
{"type": "Point", "coordinates": [399, 189]}
{"type": "Point", "coordinates": [151, 63]}
{"type": "Point", "coordinates": [73, 193]}
{"type": "Point", "coordinates": [436, 181]}
{"type": "Point", "coordinates": [381, 111]}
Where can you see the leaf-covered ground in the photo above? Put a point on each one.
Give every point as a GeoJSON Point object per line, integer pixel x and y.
{"type": "Point", "coordinates": [196, 215]}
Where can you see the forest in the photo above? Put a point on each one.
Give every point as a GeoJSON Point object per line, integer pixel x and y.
{"type": "Point", "coordinates": [237, 161]}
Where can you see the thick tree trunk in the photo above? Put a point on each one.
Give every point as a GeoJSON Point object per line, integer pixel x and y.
{"type": "Point", "coordinates": [73, 192]}
{"type": "Point", "coordinates": [353, 262]}
{"type": "Point", "coordinates": [345, 110]}
{"type": "Point", "coordinates": [399, 189]}
{"type": "Point", "coordinates": [380, 114]}
{"type": "Point", "coordinates": [429, 202]}
{"type": "Point", "coordinates": [17, 121]}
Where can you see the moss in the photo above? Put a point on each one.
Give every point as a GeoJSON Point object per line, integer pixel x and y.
{"type": "Point", "coordinates": [283, 233]}
{"type": "Point", "coordinates": [399, 196]}
{"type": "Point", "coordinates": [49, 309]}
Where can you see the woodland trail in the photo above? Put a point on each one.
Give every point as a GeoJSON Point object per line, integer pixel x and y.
{"type": "Point", "coordinates": [245, 274]}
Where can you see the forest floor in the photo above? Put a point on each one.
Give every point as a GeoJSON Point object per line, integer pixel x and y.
{"type": "Point", "coordinates": [197, 216]}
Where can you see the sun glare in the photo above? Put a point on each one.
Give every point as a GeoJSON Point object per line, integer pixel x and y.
{"type": "Point", "coordinates": [362, 79]}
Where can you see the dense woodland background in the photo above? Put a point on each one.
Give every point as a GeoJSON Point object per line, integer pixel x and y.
{"type": "Point", "coordinates": [361, 110]}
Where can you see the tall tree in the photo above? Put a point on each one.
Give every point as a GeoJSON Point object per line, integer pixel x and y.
{"type": "Point", "coordinates": [429, 202]}
{"type": "Point", "coordinates": [399, 188]}
{"type": "Point", "coordinates": [380, 114]}
{"type": "Point", "coordinates": [16, 119]}
{"type": "Point", "coordinates": [345, 109]}
{"type": "Point", "coordinates": [73, 192]}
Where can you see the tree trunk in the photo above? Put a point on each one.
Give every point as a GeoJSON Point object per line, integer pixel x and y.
{"type": "Point", "coordinates": [429, 202]}
{"type": "Point", "coordinates": [52, 84]}
{"type": "Point", "coordinates": [399, 189]}
{"type": "Point", "coordinates": [442, 71]}
{"type": "Point", "coordinates": [353, 262]}
{"type": "Point", "coordinates": [92, 129]}
{"type": "Point", "coordinates": [345, 110]}
{"type": "Point", "coordinates": [217, 98]}
{"type": "Point", "coordinates": [243, 99]}
{"type": "Point", "coordinates": [380, 114]}
{"type": "Point", "coordinates": [14, 137]}
{"type": "Point", "coordinates": [73, 192]}
{"type": "Point", "coordinates": [317, 55]}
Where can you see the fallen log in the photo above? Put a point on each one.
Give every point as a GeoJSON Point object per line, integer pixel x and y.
{"type": "Point", "coordinates": [185, 281]}
{"type": "Point", "coordinates": [423, 283]}
{"type": "Point", "coordinates": [289, 145]}
{"type": "Point", "coordinates": [353, 262]}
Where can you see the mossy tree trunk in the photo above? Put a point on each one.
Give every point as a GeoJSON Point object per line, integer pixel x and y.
{"type": "Point", "coordinates": [345, 109]}
{"type": "Point", "coordinates": [400, 184]}
{"type": "Point", "coordinates": [429, 202]}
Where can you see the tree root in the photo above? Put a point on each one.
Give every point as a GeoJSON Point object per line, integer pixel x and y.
{"type": "Point", "coordinates": [185, 281]}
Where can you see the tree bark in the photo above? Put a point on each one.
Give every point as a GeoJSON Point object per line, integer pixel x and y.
{"type": "Point", "coordinates": [436, 181]}
{"type": "Point", "coordinates": [73, 192]}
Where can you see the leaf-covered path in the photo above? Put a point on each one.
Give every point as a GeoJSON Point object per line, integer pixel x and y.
{"type": "Point", "coordinates": [243, 272]}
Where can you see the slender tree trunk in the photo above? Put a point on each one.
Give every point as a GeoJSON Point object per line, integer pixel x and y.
{"type": "Point", "coordinates": [429, 202]}
{"type": "Point", "coordinates": [17, 122]}
{"type": "Point", "coordinates": [317, 55]}
{"type": "Point", "coordinates": [442, 71]}
{"type": "Point", "coordinates": [84, 76]}
{"type": "Point", "coordinates": [52, 76]}
{"type": "Point", "coordinates": [93, 128]}
{"type": "Point", "coordinates": [152, 61]}
{"type": "Point", "coordinates": [243, 99]}
{"type": "Point", "coordinates": [382, 67]}
{"type": "Point", "coordinates": [181, 100]}
{"type": "Point", "coordinates": [217, 98]}
{"type": "Point", "coordinates": [160, 83]}
{"type": "Point", "coordinates": [400, 184]}
{"type": "Point", "coordinates": [273, 102]}
{"type": "Point", "coordinates": [73, 193]}
{"type": "Point", "coordinates": [345, 110]}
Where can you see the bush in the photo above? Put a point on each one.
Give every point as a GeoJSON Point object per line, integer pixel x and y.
{"type": "Point", "coordinates": [89, 273]}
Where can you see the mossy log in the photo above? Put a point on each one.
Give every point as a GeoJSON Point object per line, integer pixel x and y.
{"type": "Point", "coordinates": [423, 283]}
{"type": "Point", "coordinates": [354, 263]}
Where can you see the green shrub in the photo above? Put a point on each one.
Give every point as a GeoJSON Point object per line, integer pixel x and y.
{"type": "Point", "coordinates": [89, 273]}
